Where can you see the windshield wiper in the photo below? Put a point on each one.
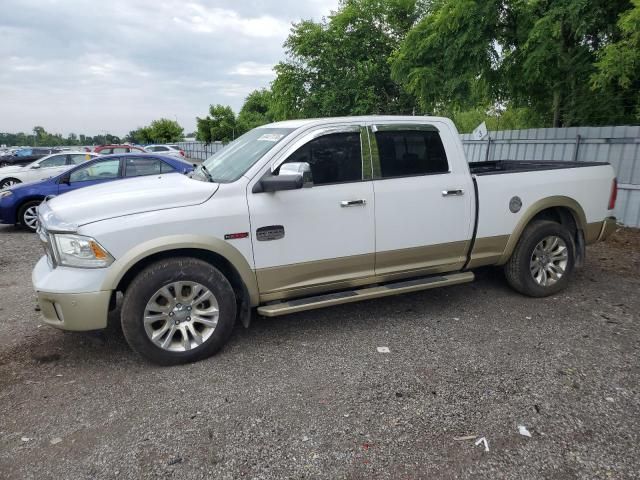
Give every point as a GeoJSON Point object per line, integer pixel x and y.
{"type": "Point", "coordinates": [206, 172]}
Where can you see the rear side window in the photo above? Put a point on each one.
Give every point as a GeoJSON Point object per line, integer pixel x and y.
{"type": "Point", "coordinates": [136, 167]}
{"type": "Point", "coordinates": [77, 159]}
{"type": "Point", "coordinates": [120, 150]}
{"type": "Point", "coordinates": [333, 158]}
{"type": "Point", "coordinates": [411, 152]}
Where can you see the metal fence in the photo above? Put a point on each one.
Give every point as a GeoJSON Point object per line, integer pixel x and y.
{"type": "Point", "coordinates": [199, 151]}
{"type": "Point", "coordinates": [618, 145]}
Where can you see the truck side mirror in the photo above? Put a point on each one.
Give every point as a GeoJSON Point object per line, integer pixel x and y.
{"type": "Point", "coordinates": [291, 176]}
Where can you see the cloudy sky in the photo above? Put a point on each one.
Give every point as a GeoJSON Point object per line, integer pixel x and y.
{"type": "Point", "coordinates": [90, 66]}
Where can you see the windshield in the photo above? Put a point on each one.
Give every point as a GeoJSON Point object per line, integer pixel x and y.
{"type": "Point", "coordinates": [230, 163]}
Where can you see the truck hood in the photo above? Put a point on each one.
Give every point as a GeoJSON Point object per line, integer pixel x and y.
{"type": "Point", "coordinates": [126, 197]}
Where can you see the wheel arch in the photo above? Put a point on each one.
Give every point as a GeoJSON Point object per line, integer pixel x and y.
{"type": "Point", "coordinates": [214, 251]}
{"type": "Point", "coordinates": [23, 202]}
{"type": "Point", "coordinates": [561, 209]}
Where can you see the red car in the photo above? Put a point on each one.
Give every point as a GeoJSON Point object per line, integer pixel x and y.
{"type": "Point", "coordinates": [107, 149]}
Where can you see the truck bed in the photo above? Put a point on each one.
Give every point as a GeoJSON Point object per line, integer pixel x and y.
{"type": "Point", "coordinates": [495, 167]}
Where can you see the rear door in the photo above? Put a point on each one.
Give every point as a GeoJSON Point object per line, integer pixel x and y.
{"type": "Point", "coordinates": [322, 237]}
{"type": "Point", "coordinates": [423, 205]}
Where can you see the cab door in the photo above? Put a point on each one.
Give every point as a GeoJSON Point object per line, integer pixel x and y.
{"type": "Point", "coordinates": [319, 238]}
{"type": "Point", "coordinates": [424, 216]}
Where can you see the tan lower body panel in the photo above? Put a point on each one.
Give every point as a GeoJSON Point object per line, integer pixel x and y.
{"type": "Point", "coordinates": [487, 250]}
{"type": "Point", "coordinates": [592, 232]}
{"type": "Point", "coordinates": [380, 291]}
{"type": "Point", "coordinates": [310, 278]}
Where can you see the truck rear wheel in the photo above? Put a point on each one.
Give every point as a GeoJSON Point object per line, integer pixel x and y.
{"type": "Point", "coordinates": [543, 260]}
{"type": "Point", "coordinates": [178, 310]}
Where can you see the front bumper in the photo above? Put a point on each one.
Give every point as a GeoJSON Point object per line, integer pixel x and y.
{"type": "Point", "coordinates": [608, 227]}
{"type": "Point", "coordinates": [75, 311]}
{"type": "Point", "coordinates": [63, 302]}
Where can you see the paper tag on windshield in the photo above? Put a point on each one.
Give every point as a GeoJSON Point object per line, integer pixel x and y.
{"type": "Point", "coordinates": [270, 137]}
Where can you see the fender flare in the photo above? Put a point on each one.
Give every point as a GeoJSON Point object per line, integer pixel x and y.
{"type": "Point", "coordinates": [550, 202]}
{"type": "Point", "coordinates": [122, 265]}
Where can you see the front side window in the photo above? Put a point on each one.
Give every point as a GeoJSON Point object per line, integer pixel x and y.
{"type": "Point", "coordinates": [230, 163]}
{"type": "Point", "coordinates": [136, 166]}
{"type": "Point", "coordinates": [54, 161]}
{"type": "Point", "coordinates": [410, 152]}
{"type": "Point", "coordinates": [23, 153]}
{"type": "Point", "coordinates": [96, 171]}
{"type": "Point", "coordinates": [106, 151]}
{"type": "Point", "coordinates": [333, 158]}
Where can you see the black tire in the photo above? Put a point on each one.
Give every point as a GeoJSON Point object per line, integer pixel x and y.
{"type": "Point", "coordinates": [6, 182]}
{"type": "Point", "coordinates": [162, 273]}
{"type": "Point", "coordinates": [518, 271]}
{"type": "Point", "coordinates": [23, 211]}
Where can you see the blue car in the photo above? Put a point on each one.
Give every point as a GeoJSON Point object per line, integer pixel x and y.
{"type": "Point", "coordinates": [18, 204]}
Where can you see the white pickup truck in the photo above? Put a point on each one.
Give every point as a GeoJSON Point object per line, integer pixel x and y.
{"type": "Point", "coordinates": [306, 214]}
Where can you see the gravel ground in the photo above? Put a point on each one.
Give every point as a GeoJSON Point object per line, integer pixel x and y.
{"type": "Point", "coordinates": [309, 395]}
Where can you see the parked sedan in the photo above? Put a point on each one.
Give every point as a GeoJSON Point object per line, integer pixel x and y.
{"type": "Point", "coordinates": [46, 167]}
{"type": "Point", "coordinates": [26, 155]}
{"type": "Point", "coordinates": [18, 204]}
{"type": "Point", "coordinates": [173, 150]}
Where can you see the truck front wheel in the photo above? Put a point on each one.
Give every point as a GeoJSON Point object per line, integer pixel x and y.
{"type": "Point", "coordinates": [543, 260]}
{"type": "Point", "coordinates": [178, 310]}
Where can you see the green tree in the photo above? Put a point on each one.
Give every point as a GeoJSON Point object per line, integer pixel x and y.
{"type": "Point", "coordinates": [219, 125]}
{"type": "Point", "coordinates": [339, 66]}
{"type": "Point", "coordinates": [166, 131]}
{"type": "Point", "coordinates": [255, 111]}
{"type": "Point", "coordinates": [618, 65]}
{"type": "Point", "coordinates": [537, 55]}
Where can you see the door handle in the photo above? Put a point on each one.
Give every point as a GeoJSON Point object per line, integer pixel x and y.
{"type": "Point", "coordinates": [353, 203]}
{"type": "Point", "coordinates": [453, 193]}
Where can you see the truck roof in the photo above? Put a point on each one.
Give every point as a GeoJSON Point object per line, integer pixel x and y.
{"type": "Point", "coordinates": [365, 118]}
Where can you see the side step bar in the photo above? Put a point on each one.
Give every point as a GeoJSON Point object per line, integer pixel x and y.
{"type": "Point", "coordinates": [348, 296]}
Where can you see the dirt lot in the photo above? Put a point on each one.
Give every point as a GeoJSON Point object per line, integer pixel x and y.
{"type": "Point", "coordinates": [309, 396]}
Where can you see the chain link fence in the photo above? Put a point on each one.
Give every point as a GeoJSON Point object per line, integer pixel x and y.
{"type": "Point", "coordinates": [199, 151]}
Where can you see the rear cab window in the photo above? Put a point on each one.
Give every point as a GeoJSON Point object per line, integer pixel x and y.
{"type": "Point", "coordinates": [404, 152]}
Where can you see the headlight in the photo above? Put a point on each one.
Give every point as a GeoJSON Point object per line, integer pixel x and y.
{"type": "Point", "coordinates": [6, 193]}
{"type": "Point", "coordinates": [80, 251]}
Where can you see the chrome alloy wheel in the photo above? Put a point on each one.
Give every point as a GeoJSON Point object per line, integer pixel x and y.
{"type": "Point", "coordinates": [30, 217]}
{"type": "Point", "coordinates": [8, 183]}
{"type": "Point", "coordinates": [181, 316]}
{"type": "Point", "coordinates": [549, 260]}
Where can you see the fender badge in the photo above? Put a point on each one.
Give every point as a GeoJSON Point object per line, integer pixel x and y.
{"type": "Point", "coordinates": [515, 204]}
{"type": "Point", "coordinates": [235, 236]}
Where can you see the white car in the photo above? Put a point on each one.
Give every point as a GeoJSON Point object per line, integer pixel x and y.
{"type": "Point", "coordinates": [172, 150]}
{"type": "Point", "coordinates": [305, 214]}
{"type": "Point", "coordinates": [42, 168]}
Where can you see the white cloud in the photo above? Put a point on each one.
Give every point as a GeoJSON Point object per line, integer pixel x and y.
{"type": "Point", "coordinates": [84, 66]}
{"type": "Point", "coordinates": [253, 69]}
